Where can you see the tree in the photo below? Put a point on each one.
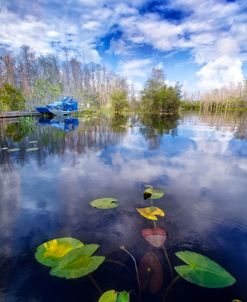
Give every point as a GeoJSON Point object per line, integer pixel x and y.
{"type": "Point", "coordinates": [158, 97]}
{"type": "Point", "coordinates": [11, 98]}
{"type": "Point", "coordinates": [45, 91]}
{"type": "Point", "coordinates": [119, 101]}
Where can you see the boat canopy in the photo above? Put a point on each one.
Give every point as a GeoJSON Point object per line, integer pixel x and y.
{"type": "Point", "coordinates": [65, 104]}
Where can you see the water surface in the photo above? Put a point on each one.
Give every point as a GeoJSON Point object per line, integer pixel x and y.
{"type": "Point", "coordinates": [52, 170]}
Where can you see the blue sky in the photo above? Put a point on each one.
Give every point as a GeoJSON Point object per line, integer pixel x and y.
{"type": "Point", "coordinates": [200, 43]}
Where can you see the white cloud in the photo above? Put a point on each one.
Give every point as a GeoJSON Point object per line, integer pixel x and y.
{"type": "Point", "coordinates": [38, 34]}
{"type": "Point", "coordinates": [136, 68]}
{"type": "Point", "coordinates": [118, 47]}
{"type": "Point", "coordinates": [214, 31]}
{"type": "Point", "coordinates": [219, 72]}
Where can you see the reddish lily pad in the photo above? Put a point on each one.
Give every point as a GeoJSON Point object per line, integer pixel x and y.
{"type": "Point", "coordinates": [155, 236]}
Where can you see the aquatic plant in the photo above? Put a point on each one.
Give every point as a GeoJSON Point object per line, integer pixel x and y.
{"type": "Point", "coordinates": [113, 296]}
{"type": "Point", "coordinates": [151, 212]}
{"type": "Point", "coordinates": [203, 271]}
{"type": "Point", "coordinates": [155, 236]}
{"type": "Point", "coordinates": [78, 263]}
{"type": "Point", "coordinates": [50, 253]}
{"type": "Point", "coordinates": [153, 193]}
{"type": "Point", "coordinates": [68, 257]}
{"type": "Point", "coordinates": [104, 203]}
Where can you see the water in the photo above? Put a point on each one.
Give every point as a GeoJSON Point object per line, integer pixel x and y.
{"type": "Point", "coordinates": [52, 170]}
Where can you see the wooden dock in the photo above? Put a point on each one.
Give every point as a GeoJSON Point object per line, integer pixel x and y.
{"type": "Point", "coordinates": [11, 114]}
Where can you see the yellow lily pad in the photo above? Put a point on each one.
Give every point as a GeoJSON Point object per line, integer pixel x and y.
{"type": "Point", "coordinates": [151, 212]}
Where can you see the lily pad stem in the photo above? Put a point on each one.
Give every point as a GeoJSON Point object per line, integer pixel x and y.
{"type": "Point", "coordinates": [121, 212]}
{"type": "Point", "coordinates": [174, 281]}
{"type": "Point", "coordinates": [136, 269]}
{"type": "Point", "coordinates": [95, 284]}
{"type": "Point", "coordinates": [119, 263]}
{"type": "Point", "coordinates": [168, 261]}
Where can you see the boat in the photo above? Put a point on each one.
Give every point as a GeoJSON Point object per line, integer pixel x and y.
{"type": "Point", "coordinates": [62, 107]}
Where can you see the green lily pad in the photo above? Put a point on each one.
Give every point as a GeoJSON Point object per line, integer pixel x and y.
{"type": "Point", "coordinates": [76, 264]}
{"type": "Point", "coordinates": [32, 149]}
{"type": "Point", "coordinates": [153, 193]}
{"type": "Point", "coordinates": [123, 297]}
{"type": "Point", "coordinates": [104, 203]}
{"type": "Point", "coordinates": [203, 271]}
{"type": "Point", "coordinates": [50, 252]}
{"type": "Point", "coordinates": [109, 296]}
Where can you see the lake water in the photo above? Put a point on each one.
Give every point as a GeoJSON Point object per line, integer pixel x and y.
{"type": "Point", "coordinates": [53, 169]}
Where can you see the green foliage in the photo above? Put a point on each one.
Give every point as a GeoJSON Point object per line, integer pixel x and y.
{"type": "Point", "coordinates": [203, 271]}
{"type": "Point", "coordinates": [158, 97]}
{"type": "Point", "coordinates": [51, 252]}
{"type": "Point", "coordinates": [45, 91]}
{"type": "Point", "coordinates": [17, 131]}
{"type": "Point", "coordinates": [190, 105]}
{"type": "Point", "coordinates": [78, 263]}
{"type": "Point", "coordinates": [69, 257]}
{"type": "Point", "coordinates": [104, 203]}
{"type": "Point", "coordinates": [113, 296]}
{"type": "Point", "coordinates": [109, 296]}
{"type": "Point", "coordinates": [153, 193]}
{"type": "Point", "coordinates": [119, 123]}
{"type": "Point", "coordinates": [11, 98]}
{"type": "Point", "coordinates": [123, 296]}
{"type": "Point", "coordinates": [119, 101]}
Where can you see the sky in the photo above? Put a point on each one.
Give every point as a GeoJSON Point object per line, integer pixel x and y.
{"type": "Point", "coordinates": [200, 43]}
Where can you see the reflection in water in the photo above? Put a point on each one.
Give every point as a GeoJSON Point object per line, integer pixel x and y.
{"type": "Point", "coordinates": [199, 161]}
{"type": "Point", "coordinates": [155, 125]}
{"type": "Point", "coordinates": [151, 273]}
{"type": "Point", "coordinates": [64, 123]}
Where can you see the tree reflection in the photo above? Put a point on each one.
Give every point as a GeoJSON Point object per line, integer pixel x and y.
{"type": "Point", "coordinates": [119, 123]}
{"type": "Point", "coordinates": [18, 130]}
{"type": "Point", "coordinates": [154, 126]}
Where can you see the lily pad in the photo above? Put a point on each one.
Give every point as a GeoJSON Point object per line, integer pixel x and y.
{"type": "Point", "coordinates": [109, 296]}
{"type": "Point", "coordinates": [123, 296]}
{"type": "Point", "coordinates": [104, 203]}
{"type": "Point", "coordinates": [151, 212]}
{"type": "Point", "coordinates": [155, 236]}
{"type": "Point", "coordinates": [13, 150]}
{"type": "Point", "coordinates": [32, 149]}
{"type": "Point", "coordinates": [76, 264]}
{"type": "Point", "coordinates": [203, 271]}
{"type": "Point", "coordinates": [51, 252]}
{"type": "Point", "coordinates": [153, 193]}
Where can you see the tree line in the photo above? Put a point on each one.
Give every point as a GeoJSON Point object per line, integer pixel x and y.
{"type": "Point", "coordinates": [28, 80]}
{"type": "Point", "coordinates": [233, 96]}
{"type": "Point", "coordinates": [41, 79]}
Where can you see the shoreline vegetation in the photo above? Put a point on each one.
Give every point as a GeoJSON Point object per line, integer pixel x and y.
{"type": "Point", "coordinates": [28, 80]}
